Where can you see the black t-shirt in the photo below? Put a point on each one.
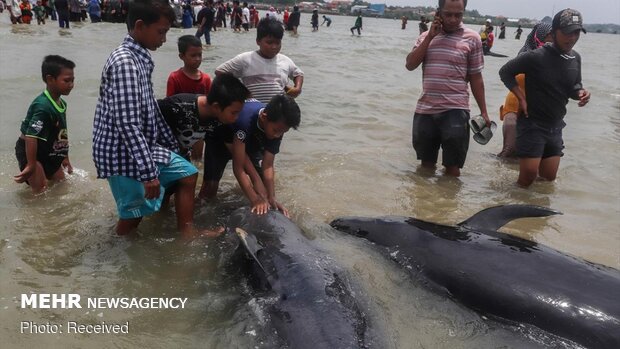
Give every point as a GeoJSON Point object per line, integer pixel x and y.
{"type": "Point", "coordinates": [181, 114]}
{"type": "Point", "coordinates": [551, 77]}
{"type": "Point", "coordinates": [61, 5]}
{"type": "Point", "coordinates": [238, 13]}
{"type": "Point", "coordinates": [208, 14]}
{"type": "Point", "coordinates": [293, 19]}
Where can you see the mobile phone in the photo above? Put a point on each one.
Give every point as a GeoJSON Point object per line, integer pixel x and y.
{"type": "Point", "coordinates": [438, 17]}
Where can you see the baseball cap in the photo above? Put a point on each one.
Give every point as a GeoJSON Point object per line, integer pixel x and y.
{"type": "Point", "coordinates": [568, 20]}
{"type": "Point", "coordinates": [488, 20]}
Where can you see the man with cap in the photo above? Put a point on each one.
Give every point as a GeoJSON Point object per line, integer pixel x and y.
{"type": "Point", "coordinates": [553, 75]}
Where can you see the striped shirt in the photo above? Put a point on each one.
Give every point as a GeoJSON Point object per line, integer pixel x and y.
{"type": "Point", "coordinates": [450, 59]}
{"type": "Point", "coordinates": [265, 78]}
{"type": "Point", "coordinates": [129, 132]}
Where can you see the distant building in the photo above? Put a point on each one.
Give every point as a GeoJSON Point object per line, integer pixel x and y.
{"type": "Point", "coordinates": [370, 10]}
{"type": "Point", "coordinates": [336, 4]}
{"type": "Point", "coordinates": [378, 9]}
{"type": "Point", "coordinates": [358, 8]}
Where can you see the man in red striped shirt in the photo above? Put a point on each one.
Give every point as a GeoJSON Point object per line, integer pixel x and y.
{"type": "Point", "coordinates": [451, 57]}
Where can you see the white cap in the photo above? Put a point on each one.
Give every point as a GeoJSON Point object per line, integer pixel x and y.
{"type": "Point", "coordinates": [488, 20]}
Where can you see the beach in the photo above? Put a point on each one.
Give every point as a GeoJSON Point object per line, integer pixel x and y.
{"type": "Point", "coordinates": [351, 156]}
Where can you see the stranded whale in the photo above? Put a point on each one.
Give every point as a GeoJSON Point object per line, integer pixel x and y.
{"type": "Point", "coordinates": [502, 275]}
{"type": "Point", "coordinates": [314, 306]}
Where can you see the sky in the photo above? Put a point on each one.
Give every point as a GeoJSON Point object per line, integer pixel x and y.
{"type": "Point", "coordinates": [593, 11]}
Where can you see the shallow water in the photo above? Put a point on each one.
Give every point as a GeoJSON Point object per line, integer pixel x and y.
{"type": "Point", "coordinates": [352, 155]}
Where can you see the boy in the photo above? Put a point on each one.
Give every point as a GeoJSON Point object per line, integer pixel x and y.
{"type": "Point", "coordinates": [266, 71]}
{"type": "Point", "coordinates": [42, 150]}
{"type": "Point", "coordinates": [40, 13]}
{"type": "Point", "coordinates": [189, 79]}
{"type": "Point", "coordinates": [131, 141]}
{"type": "Point", "coordinates": [191, 116]}
{"type": "Point", "coordinates": [553, 74]}
{"type": "Point", "coordinates": [252, 142]}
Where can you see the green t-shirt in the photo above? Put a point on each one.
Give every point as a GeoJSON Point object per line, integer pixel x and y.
{"type": "Point", "coordinates": [39, 11]}
{"type": "Point", "coordinates": [47, 122]}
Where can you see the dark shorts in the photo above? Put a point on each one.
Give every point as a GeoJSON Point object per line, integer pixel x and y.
{"type": "Point", "coordinates": [50, 164]}
{"type": "Point", "coordinates": [217, 157]}
{"type": "Point", "coordinates": [448, 130]}
{"type": "Point", "coordinates": [537, 141]}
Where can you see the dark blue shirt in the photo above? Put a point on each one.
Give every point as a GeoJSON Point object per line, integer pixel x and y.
{"type": "Point", "coordinates": [247, 130]}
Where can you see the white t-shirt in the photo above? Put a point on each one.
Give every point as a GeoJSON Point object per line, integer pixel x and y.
{"type": "Point", "coordinates": [265, 78]}
{"type": "Point", "coordinates": [246, 15]}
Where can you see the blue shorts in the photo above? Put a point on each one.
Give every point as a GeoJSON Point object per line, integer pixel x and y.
{"type": "Point", "coordinates": [129, 193]}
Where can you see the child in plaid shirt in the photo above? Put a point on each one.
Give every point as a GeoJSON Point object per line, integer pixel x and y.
{"type": "Point", "coordinates": [133, 147]}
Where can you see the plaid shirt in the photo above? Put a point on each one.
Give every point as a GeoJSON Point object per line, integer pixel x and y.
{"type": "Point", "coordinates": [129, 132]}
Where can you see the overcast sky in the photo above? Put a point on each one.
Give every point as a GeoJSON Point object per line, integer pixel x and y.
{"type": "Point", "coordinates": [593, 11]}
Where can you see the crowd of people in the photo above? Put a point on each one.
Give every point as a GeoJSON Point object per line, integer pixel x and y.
{"type": "Point", "coordinates": [453, 59]}
{"type": "Point", "coordinates": [143, 146]}
{"type": "Point", "coordinates": [65, 11]}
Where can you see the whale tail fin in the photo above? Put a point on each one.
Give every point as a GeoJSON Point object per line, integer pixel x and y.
{"type": "Point", "coordinates": [251, 246]}
{"type": "Point", "coordinates": [496, 217]}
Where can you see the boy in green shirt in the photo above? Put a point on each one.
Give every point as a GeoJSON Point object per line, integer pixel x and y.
{"type": "Point", "coordinates": [42, 149]}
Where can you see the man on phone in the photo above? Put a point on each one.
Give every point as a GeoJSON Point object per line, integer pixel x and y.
{"type": "Point", "coordinates": [451, 57]}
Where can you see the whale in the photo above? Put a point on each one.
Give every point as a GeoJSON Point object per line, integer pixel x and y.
{"type": "Point", "coordinates": [314, 305]}
{"type": "Point", "coordinates": [502, 276]}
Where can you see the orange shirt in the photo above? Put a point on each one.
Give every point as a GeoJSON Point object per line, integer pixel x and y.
{"type": "Point", "coordinates": [511, 103]}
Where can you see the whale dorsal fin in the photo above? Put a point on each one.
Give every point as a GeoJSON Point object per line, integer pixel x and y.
{"type": "Point", "coordinates": [496, 217]}
{"type": "Point", "coordinates": [251, 246]}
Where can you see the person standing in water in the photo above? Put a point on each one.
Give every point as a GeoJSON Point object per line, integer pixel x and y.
{"type": "Point", "coordinates": [553, 75]}
{"type": "Point", "coordinates": [508, 113]}
{"type": "Point", "coordinates": [518, 33]}
{"type": "Point", "coordinates": [452, 59]}
{"type": "Point", "coordinates": [314, 20]}
{"type": "Point", "coordinates": [133, 147]}
{"type": "Point", "coordinates": [423, 26]}
{"type": "Point", "coordinates": [358, 25]}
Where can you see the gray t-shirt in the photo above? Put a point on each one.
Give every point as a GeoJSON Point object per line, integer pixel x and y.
{"type": "Point", "coordinates": [265, 78]}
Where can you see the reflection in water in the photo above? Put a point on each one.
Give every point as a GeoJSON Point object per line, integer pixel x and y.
{"type": "Point", "coordinates": [431, 196]}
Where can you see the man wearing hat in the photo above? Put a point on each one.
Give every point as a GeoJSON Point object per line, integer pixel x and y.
{"type": "Point", "coordinates": [552, 76]}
